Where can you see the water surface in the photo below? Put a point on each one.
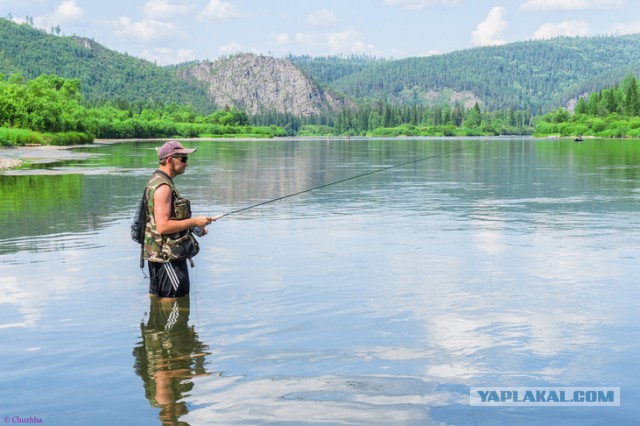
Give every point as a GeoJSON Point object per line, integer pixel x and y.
{"type": "Point", "coordinates": [380, 300]}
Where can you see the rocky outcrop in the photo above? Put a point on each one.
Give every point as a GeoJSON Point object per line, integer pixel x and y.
{"type": "Point", "coordinates": [84, 42]}
{"type": "Point", "coordinates": [256, 83]}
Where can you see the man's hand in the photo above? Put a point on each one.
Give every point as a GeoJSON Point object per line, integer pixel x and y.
{"type": "Point", "coordinates": [202, 221]}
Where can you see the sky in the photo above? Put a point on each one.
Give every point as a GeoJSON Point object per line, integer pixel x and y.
{"type": "Point", "coordinates": [175, 31]}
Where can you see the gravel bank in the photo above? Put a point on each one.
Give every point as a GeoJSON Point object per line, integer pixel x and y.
{"type": "Point", "coordinates": [9, 163]}
{"type": "Point", "coordinates": [11, 157]}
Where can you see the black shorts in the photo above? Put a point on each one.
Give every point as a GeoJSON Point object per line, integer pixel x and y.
{"type": "Point", "coordinates": [169, 279]}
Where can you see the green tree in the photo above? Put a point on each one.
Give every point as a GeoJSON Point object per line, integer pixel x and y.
{"type": "Point", "coordinates": [631, 98]}
{"type": "Point", "coordinates": [473, 117]}
{"type": "Point", "coordinates": [581, 106]}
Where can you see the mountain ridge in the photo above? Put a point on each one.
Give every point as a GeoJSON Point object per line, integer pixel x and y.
{"type": "Point", "coordinates": [539, 75]}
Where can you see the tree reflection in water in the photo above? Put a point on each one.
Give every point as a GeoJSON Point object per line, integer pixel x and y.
{"type": "Point", "coordinates": [168, 356]}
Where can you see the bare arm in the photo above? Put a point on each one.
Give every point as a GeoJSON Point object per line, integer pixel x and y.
{"type": "Point", "coordinates": [162, 213]}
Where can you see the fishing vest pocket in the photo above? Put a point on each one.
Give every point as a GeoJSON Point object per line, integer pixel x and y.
{"type": "Point", "coordinates": [180, 246]}
{"type": "Point", "coordinates": [182, 208]}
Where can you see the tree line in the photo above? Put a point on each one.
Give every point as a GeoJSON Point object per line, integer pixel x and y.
{"type": "Point", "coordinates": [610, 112]}
{"type": "Point", "coordinates": [51, 110]}
{"type": "Point", "coordinates": [383, 119]}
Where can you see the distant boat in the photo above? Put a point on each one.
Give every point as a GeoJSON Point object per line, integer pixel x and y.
{"type": "Point", "coordinates": [579, 139]}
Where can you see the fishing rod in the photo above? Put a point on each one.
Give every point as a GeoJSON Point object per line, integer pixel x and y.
{"type": "Point", "coordinates": [384, 169]}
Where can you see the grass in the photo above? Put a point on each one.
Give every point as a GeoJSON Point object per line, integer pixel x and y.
{"type": "Point", "coordinates": [22, 137]}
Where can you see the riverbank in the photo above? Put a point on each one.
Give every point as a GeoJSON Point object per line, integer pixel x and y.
{"type": "Point", "coordinates": [14, 157]}
{"type": "Point", "coordinates": [9, 163]}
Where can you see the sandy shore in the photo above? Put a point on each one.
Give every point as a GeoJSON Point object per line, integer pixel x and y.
{"type": "Point", "coordinates": [12, 157]}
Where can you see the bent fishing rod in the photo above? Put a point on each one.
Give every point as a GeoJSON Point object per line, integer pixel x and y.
{"type": "Point", "coordinates": [384, 169]}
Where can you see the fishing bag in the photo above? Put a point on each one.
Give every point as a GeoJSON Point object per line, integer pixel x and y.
{"type": "Point", "coordinates": [139, 221]}
{"type": "Point", "coordinates": [181, 245]}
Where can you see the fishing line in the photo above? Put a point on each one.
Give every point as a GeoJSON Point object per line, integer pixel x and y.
{"type": "Point", "coordinates": [384, 169]}
{"type": "Point", "coordinates": [195, 286]}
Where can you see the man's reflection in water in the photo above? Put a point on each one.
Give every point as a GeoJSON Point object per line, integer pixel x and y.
{"type": "Point", "coordinates": [168, 356]}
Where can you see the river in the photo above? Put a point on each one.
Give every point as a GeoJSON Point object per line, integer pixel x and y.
{"type": "Point", "coordinates": [444, 265]}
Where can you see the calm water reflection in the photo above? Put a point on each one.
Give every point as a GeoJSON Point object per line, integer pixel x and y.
{"type": "Point", "coordinates": [169, 355]}
{"type": "Point", "coordinates": [493, 262]}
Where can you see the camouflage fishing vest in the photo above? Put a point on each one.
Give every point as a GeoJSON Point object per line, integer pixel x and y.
{"type": "Point", "coordinates": [166, 248]}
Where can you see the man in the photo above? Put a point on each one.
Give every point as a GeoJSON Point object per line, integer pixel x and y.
{"type": "Point", "coordinates": [169, 242]}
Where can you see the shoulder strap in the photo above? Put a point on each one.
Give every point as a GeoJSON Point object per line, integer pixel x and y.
{"type": "Point", "coordinates": [163, 174]}
{"type": "Point", "coordinates": [159, 178]}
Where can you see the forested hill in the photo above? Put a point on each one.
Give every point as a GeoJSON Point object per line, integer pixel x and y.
{"type": "Point", "coordinates": [538, 76]}
{"type": "Point", "coordinates": [535, 75]}
{"type": "Point", "coordinates": [249, 82]}
{"type": "Point", "coordinates": [106, 75]}
{"type": "Point", "coordinates": [328, 69]}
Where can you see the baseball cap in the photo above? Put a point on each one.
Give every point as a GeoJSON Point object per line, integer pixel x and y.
{"type": "Point", "coordinates": [171, 148]}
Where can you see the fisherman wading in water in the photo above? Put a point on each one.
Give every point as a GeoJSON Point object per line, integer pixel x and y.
{"type": "Point", "coordinates": [168, 239]}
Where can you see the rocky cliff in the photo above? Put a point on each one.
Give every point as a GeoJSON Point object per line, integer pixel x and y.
{"type": "Point", "coordinates": [257, 84]}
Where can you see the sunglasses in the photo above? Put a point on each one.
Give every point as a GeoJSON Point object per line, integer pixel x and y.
{"type": "Point", "coordinates": [183, 159]}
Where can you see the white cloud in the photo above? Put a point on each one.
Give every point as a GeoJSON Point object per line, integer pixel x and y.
{"type": "Point", "coordinates": [434, 52]}
{"type": "Point", "coordinates": [420, 4]}
{"type": "Point", "coordinates": [631, 28]}
{"type": "Point", "coordinates": [282, 38]}
{"type": "Point", "coordinates": [235, 47]}
{"type": "Point", "coordinates": [218, 9]}
{"type": "Point", "coordinates": [307, 40]}
{"type": "Point", "coordinates": [163, 9]}
{"type": "Point", "coordinates": [547, 5]}
{"type": "Point", "coordinates": [66, 12]}
{"type": "Point", "coordinates": [488, 32]}
{"type": "Point", "coordinates": [566, 28]}
{"type": "Point", "coordinates": [166, 55]}
{"type": "Point", "coordinates": [146, 30]}
{"type": "Point", "coordinates": [321, 17]}
{"type": "Point", "coordinates": [348, 42]}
